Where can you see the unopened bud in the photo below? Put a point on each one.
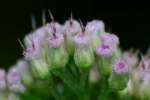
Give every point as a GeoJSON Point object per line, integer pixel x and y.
{"type": "Point", "coordinates": [58, 55]}
{"type": "Point", "coordinates": [95, 27]}
{"type": "Point", "coordinates": [84, 55]}
{"type": "Point", "coordinates": [26, 75]}
{"type": "Point", "coordinates": [119, 78]}
{"type": "Point", "coordinates": [71, 28]}
{"type": "Point", "coordinates": [109, 38]}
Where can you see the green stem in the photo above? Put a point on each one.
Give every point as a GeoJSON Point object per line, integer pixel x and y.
{"type": "Point", "coordinates": [104, 90]}
{"type": "Point", "coordinates": [84, 85]}
{"type": "Point", "coordinates": [54, 90]}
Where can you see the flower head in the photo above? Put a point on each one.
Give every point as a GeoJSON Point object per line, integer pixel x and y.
{"type": "Point", "coordinates": [84, 55]}
{"type": "Point", "coordinates": [13, 76]}
{"type": "Point", "coordinates": [144, 70]}
{"type": "Point", "coordinates": [120, 67]}
{"type": "Point", "coordinates": [95, 27]}
{"type": "Point", "coordinates": [24, 71]}
{"type": "Point", "coordinates": [105, 50]}
{"type": "Point", "coordinates": [72, 27]}
{"type": "Point", "coordinates": [41, 33]}
{"type": "Point", "coordinates": [34, 47]}
{"type": "Point", "coordinates": [109, 38]}
{"type": "Point", "coordinates": [56, 40]}
{"type": "Point", "coordinates": [82, 39]}
{"type": "Point", "coordinates": [131, 59]}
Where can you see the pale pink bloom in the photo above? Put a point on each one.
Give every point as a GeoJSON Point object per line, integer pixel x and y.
{"type": "Point", "coordinates": [54, 27]}
{"type": "Point", "coordinates": [56, 40]}
{"type": "Point", "coordinates": [82, 39]}
{"type": "Point", "coordinates": [105, 50]}
{"type": "Point", "coordinates": [131, 58]}
{"type": "Point", "coordinates": [72, 27]}
{"type": "Point", "coordinates": [120, 66]}
{"type": "Point", "coordinates": [38, 37]}
{"type": "Point", "coordinates": [13, 76]}
{"type": "Point", "coordinates": [34, 47]}
{"type": "Point", "coordinates": [109, 38]}
{"type": "Point", "coordinates": [41, 34]}
{"type": "Point", "coordinates": [145, 69]}
{"type": "Point", "coordinates": [95, 27]}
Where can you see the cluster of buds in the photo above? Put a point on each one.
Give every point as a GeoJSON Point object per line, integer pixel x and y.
{"type": "Point", "coordinates": [55, 46]}
{"type": "Point", "coordinates": [11, 82]}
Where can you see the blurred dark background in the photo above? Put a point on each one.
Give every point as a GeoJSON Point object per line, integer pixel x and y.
{"type": "Point", "coordinates": [131, 24]}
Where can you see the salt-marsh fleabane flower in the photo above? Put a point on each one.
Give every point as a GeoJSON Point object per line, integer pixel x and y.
{"type": "Point", "coordinates": [33, 49]}
{"type": "Point", "coordinates": [24, 70]}
{"type": "Point", "coordinates": [71, 28]}
{"type": "Point", "coordinates": [131, 59]}
{"type": "Point", "coordinates": [105, 53]}
{"type": "Point", "coordinates": [84, 55]}
{"type": "Point", "coordinates": [35, 53]}
{"type": "Point", "coordinates": [105, 50]}
{"type": "Point", "coordinates": [13, 76]}
{"type": "Point", "coordinates": [119, 78]}
{"type": "Point", "coordinates": [95, 27]}
{"type": "Point", "coordinates": [56, 40]}
{"type": "Point", "coordinates": [144, 87]}
{"type": "Point", "coordinates": [109, 38]}
{"type": "Point", "coordinates": [120, 67]}
{"type": "Point", "coordinates": [71, 47]}
{"type": "Point", "coordinates": [58, 55]}
{"type": "Point", "coordinates": [54, 26]}
{"type": "Point", "coordinates": [14, 80]}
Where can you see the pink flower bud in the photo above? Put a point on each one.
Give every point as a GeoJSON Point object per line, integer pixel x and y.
{"type": "Point", "coordinates": [82, 39]}
{"type": "Point", "coordinates": [34, 46]}
{"type": "Point", "coordinates": [38, 36]}
{"type": "Point", "coordinates": [41, 33]}
{"type": "Point", "coordinates": [13, 76]}
{"type": "Point", "coordinates": [72, 27]}
{"type": "Point", "coordinates": [145, 70]}
{"type": "Point", "coordinates": [83, 55]}
{"type": "Point", "coordinates": [24, 71]}
{"type": "Point", "coordinates": [110, 39]}
{"type": "Point", "coordinates": [2, 79]}
{"type": "Point", "coordinates": [95, 27]}
{"type": "Point", "coordinates": [56, 40]}
{"type": "Point", "coordinates": [105, 50]}
{"type": "Point", "coordinates": [131, 59]}
{"type": "Point", "coordinates": [120, 67]}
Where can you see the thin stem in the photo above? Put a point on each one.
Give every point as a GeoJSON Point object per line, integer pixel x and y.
{"type": "Point", "coordinates": [104, 90]}
{"type": "Point", "coordinates": [54, 90]}
{"type": "Point", "coordinates": [84, 84]}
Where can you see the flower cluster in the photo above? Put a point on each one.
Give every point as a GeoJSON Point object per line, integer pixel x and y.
{"type": "Point", "coordinates": [61, 61]}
